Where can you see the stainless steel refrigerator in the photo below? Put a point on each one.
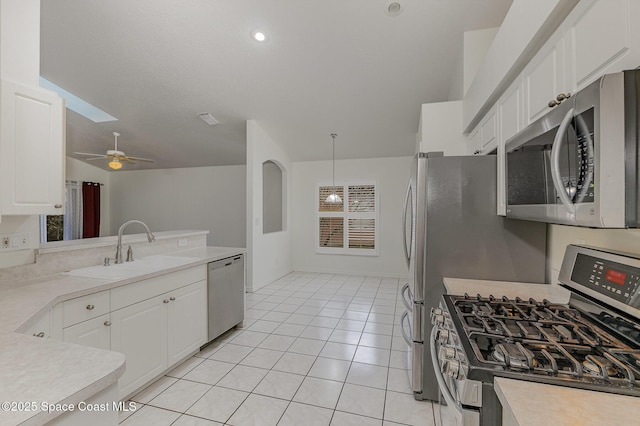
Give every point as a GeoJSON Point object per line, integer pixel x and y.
{"type": "Point", "coordinates": [451, 229]}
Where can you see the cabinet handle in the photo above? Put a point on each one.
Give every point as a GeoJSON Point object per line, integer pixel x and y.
{"type": "Point", "coordinates": [41, 334]}
{"type": "Point", "coordinates": [90, 307]}
{"type": "Point", "coordinates": [107, 323]}
{"type": "Point", "coordinates": [58, 206]}
{"type": "Point", "coordinates": [553, 103]}
{"type": "Point", "coordinates": [561, 97]}
{"type": "Point", "coordinates": [165, 301]}
{"type": "Point", "coordinates": [172, 298]}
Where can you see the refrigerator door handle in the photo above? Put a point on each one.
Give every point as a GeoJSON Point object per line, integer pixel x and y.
{"type": "Point", "coordinates": [407, 250]}
{"type": "Point", "coordinates": [417, 323]}
{"type": "Point", "coordinates": [404, 319]}
{"type": "Point", "coordinates": [406, 301]}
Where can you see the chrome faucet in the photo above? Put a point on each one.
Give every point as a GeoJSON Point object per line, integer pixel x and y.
{"type": "Point", "coordinates": [150, 237]}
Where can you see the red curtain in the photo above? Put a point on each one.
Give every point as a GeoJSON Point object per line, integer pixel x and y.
{"type": "Point", "coordinates": [90, 209]}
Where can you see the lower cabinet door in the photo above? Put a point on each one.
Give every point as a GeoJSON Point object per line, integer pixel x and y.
{"type": "Point", "coordinates": [140, 332]}
{"type": "Point", "coordinates": [187, 320]}
{"type": "Point", "coordinates": [95, 332]}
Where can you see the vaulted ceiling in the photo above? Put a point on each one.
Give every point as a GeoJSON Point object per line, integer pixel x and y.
{"type": "Point", "coordinates": [343, 66]}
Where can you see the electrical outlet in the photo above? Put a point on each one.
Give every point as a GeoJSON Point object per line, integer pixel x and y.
{"type": "Point", "coordinates": [182, 242]}
{"type": "Point", "coordinates": [5, 242]}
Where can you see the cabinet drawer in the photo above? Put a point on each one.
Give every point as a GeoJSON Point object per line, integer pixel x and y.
{"type": "Point", "coordinates": [84, 308]}
{"type": "Point", "coordinates": [137, 292]}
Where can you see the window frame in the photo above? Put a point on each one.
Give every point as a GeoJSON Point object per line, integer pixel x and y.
{"type": "Point", "coordinates": [346, 215]}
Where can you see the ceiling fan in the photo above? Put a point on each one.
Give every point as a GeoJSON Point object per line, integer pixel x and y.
{"type": "Point", "coordinates": [116, 157]}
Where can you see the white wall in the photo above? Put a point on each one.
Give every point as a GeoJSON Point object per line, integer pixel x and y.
{"type": "Point", "coordinates": [440, 129]}
{"type": "Point", "coordinates": [476, 46]}
{"type": "Point", "coordinates": [391, 175]}
{"type": "Point", "coordinates": [199, 198]}
{"type": "Point", "coordinates": [83, 172]}
{"type": "Point", "coordinates": [269, 255]}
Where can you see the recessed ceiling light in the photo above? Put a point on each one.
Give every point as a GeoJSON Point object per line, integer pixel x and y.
{"type": "Point", "coordinates": [259, 35]}
{"type": "Point", "coordinates": [394, 9]}
{"type": "Point", "coordinates": [208, 118]}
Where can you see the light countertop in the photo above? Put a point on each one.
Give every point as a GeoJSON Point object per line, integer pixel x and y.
{"type": "Point", "coordinates": [47, 370]}
{"type": "Point", "coordinates": [560, 405]}
{"type": "Point", "coordinates": [522, 401]}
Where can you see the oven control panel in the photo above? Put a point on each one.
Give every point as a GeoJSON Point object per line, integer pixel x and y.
{"type": "Point", "coordinates": [616, 280]}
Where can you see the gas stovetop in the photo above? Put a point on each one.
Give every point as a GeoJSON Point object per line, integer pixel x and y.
{"type": "Point", "coordinates": [547, 342]}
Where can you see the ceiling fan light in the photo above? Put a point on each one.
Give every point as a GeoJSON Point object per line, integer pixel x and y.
{"type": "Point", "coordinates": [115, 164]}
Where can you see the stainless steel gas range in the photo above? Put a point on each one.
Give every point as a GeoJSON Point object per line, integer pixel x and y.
{"type": "Point", "coordinates": [593, 342]}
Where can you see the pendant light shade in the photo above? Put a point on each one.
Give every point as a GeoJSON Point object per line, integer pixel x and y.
{"type": "Point", "coordinates": [334, 198]}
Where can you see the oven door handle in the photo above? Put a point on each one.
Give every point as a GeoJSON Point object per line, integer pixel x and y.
{"type": "Point", "coordinates": [555, 162]}
{"type": "Point", "coordinates": [407, 250]}
{"type": "Point", "coordinates": [446, 393]}
{"type": "Point", "coordinates": [407, 302]}
{"type": "Point", "coordinates": [404, 318]}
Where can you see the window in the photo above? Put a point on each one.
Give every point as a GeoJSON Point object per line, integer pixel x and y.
{"type": "Point", "coordinates": [350, 227]}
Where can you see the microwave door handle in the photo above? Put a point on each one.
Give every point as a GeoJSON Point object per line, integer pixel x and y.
{"type": "Point", "coordinates": [555, 162]}
{"type": "Point", "coordinates": [581, 127]}
{"type": "Point", "coordinates": [444, 389]}
{"type": "Point", "coordinates": [407, 251]}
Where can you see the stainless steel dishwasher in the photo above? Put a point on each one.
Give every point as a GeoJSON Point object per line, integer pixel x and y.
{"type": "Point", "coordinates": [225, 286]}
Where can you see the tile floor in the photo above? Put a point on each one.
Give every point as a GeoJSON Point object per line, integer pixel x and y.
{"type": "Point", "coordinates": [315, 349]}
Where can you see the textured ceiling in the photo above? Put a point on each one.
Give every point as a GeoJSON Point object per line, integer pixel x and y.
{"type": "Point", "coordinates": [341, 66]}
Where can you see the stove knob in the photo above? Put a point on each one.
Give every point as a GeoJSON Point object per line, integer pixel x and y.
{"type": "Point", "coordinates": [453, 369]}
{"type": "Point", "coordinates": [437, 320]}
{"type": "Point", "coordinates": [435, 311]}
{"type": "Point", "coordinates": [447, 353]}
{"type": "Point", "coordinates": [442, 335]}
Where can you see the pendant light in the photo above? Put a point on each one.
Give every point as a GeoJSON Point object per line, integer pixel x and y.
{"type": "Point", "coordinates": [334, 198]}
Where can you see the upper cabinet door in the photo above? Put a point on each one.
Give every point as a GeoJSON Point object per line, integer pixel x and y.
{"type": "Point", "coordinates": [31, 150]}
{"type": "Point", "coordinates": [510, 122]}
{"type": "Point", "coordinates": [603, 37]}
{"type": "Point", "coordinates": [544, 80]}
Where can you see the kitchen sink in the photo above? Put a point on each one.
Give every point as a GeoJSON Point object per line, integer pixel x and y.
{"type": "Point", "coordinates": [138, 267]}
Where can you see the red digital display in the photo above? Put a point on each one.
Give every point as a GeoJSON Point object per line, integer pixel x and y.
{"type": "Point", "coordinates": [615, 277]}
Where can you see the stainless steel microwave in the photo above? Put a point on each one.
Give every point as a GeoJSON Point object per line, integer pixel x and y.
{"type": "Point", "coordinates": [578, 165]}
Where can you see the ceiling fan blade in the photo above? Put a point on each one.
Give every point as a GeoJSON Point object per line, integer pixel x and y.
{"type": "Point", "coordinates": [91, 154]}
{"type": "Point", "coordinates": [141, 159]}
{"type": "Point", "coordinates": [95, 158]}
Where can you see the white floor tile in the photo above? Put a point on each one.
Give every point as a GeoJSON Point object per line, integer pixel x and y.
{"type": "Point", "coordinates": [332, 369]}
{"type": "Point", "coordinates": [345, 336]}
{"type": "Point", "coordinates": [186, 420]}
{"type": "Point", "coordinates": [307, 346]}
{"type": "Point", "coordinates": [403, 408]}
{"type": "Point", "coordinates": [277, 342]}
{"type": "Point", "coordinates": [259, 410]}
{"type": "Point", "coordinates": [372, 356]}
{"type": "Point", "coordinates": [148, 415]}
{"type": "Point", "coordinates": [319, 392]}
{"type": "Point", "coordinates": [353, 325]}
{"type": "Point", "coordinates": [376, 340]}
{"type": "Point", "coordinates": [209, 372]}
{"type": "Point", "coordinates": [264, 326]}
{"type": "Point", "coordinates": [348, 419]}
{"type": "Point", "coordinates": [300, 319]}
{"type": "Point", "coordinates": [338, 351]}
{"type": "Point", "coordinates": [399, 381]}
{"type": "Point", "coordinates": [231, 353]}
{"type": "Point", "coordinates": [308, 415]}
{"type": "Point", "coordinates": [378, 328]}
{"type": "Point", "coordinates": [325, 322]}
{"type": "Point", "coordinates": [362, 400]}
{"type": "Point", "coordinates": [185, 367]}
{"type": "Point", "coordinates": [368, 375]}
{"type": "Point", "coordinates": [279, 384]}
{"type": "Point", "coordinates": [295, 363]}
{"type": "Point", "coordinates": [249, 338]}
{"type": "Point", "coordinates": [243, 378]}
{"type": "Point", "coordinates": [180, 396]}
{"type": "Point", "coordinates": [218, 404]}
{"type": "Point", "coordinates": [319, 333]}
{"type": "Point", "coordinates": [212, 348]}
{"type": "Point", "coordinates": [287, 329]}
{"type": "Point", "coordinates": [262, 358]}
{"type": "Point", "coordinates": [276, 316]}
{"type": "Point", "coordinates": [356, 315]}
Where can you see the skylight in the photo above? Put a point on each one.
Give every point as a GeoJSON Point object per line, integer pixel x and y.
{"type": "Point", "coordinates": [78, 105]}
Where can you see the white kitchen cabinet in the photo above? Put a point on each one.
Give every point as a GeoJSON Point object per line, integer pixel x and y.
{"type": "Point", "coordinates": [510, 121]}
{"type": "Point", "coordinates": [544, 80]}
{"type": "Point", "coordinates": [32, 150]}
{"type": "Point", "coordinates": [488, 132]}
{"type": "Point", "coordinates": [187, 321]}
{"type": "Point", "coordinates": [473, 142]}
{"type": "Point", "coordinates": [603, 37]}
{"type": "Point", "coordinates": [139, 332]}
{"type": "Point", "coordinates": [95, 333]}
